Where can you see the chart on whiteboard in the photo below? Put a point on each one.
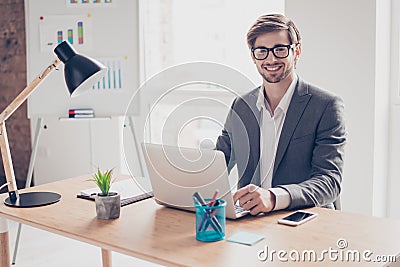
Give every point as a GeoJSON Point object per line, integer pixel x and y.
{"type": "Point", "coordinates": [75, 29]}
{"type": "Point", "coordinates": [116, 77]}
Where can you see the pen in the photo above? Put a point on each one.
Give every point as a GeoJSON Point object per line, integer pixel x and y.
{"type": "Point", "coordinates": [213, 198]}
{"type": "Point", "coordinates": [198, 200]}
{"type": "Point", "coordinates": [85, 197]}
{"type": "Point", "coordinates": [207, 213]}
{"type": "Point", "coordinates": [203, 203]}
{"type": "Point", "coordinates": [214, 222]}
{"type": "Point", "coordinates": [215, 210]}
{"type": "Point", "coordinates": [212, 213]}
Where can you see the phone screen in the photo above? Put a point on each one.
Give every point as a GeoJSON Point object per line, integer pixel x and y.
{"type": "Point", "coordinates": [298, 216]}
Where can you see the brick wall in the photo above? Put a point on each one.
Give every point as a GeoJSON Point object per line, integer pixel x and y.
{"type": "Point", "coordinates": [12, 81]}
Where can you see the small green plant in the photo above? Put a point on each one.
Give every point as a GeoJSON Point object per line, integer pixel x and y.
{"type": "Point", "coordinates": [103, 180]}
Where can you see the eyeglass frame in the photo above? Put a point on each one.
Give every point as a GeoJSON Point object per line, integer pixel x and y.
{"type": "Point", "coordinates": [288, 47]}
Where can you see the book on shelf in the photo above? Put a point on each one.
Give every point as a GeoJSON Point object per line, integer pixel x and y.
{"type": "Point", "coordinates": [128, 189]}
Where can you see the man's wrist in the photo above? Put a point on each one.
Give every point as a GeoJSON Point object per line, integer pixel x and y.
{"type": "Point", "coordinates": [281, 198]}
{"type": "Point", "coordinates": [272, 198]}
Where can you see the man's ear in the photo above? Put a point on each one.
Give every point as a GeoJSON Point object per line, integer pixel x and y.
{"type": "Point", "coordinates": [297, 52]}
{"type": "Point", "coordinates": [252, 57]}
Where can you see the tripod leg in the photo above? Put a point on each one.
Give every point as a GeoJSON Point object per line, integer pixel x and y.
{"type": "Point", "coordinates": [28, 179]}
{"type": "Point", "coordinates": [137, 145]}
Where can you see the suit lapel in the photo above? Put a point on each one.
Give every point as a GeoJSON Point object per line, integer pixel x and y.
{"type": "Point", "coordinates": [253, 131]}
{"type": "Point", "coordinates": [296, 108]}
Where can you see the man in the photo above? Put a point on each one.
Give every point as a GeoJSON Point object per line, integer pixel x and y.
{"type": "Point", "coordinates": [287, 137]}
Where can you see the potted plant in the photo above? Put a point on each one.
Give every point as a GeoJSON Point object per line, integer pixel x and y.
{"type": "Point", "coordinates": [108, 204]}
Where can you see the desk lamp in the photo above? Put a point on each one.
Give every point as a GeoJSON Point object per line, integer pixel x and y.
{"type": "Point", "coordinates": [80, 74]}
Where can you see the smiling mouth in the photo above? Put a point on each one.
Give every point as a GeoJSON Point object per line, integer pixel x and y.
{"type": "Point", "coordinates": [272, 68]}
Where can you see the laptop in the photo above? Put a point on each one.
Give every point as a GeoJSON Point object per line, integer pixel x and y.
{"type": "Point", "coordinates": [176, 173]}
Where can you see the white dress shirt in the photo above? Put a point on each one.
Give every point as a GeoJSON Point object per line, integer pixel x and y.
{"type": "Point", "coordinates": [271, 124]}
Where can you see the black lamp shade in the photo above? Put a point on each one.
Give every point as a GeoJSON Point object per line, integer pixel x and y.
{"type": "Point", "coordinates": [80, 72]}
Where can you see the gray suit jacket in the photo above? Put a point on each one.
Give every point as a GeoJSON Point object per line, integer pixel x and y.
{"type": "Point", "coordinates": [309, 157]}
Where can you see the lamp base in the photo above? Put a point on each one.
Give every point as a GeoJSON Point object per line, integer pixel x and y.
{"type": "Point", "coordinates": [33, 199]}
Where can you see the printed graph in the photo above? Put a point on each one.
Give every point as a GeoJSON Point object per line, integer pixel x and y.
{"type": "Point", "coordinates": [114, 78]}
{"type": "Point", "coordinates": [74, 29]}
{"type": "Point", "coordinates": [55, 29]}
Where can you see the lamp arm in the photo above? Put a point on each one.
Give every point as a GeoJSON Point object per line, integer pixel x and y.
{"type": "Point", "coordinates": [7, 163]}
{"type": "Point", "coordinates": [14, 105]}
{"type": "Point", "coordinates": [9, 110]}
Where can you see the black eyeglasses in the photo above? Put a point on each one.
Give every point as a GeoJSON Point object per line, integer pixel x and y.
{"type": "Point", "coordinates": [279, 51]}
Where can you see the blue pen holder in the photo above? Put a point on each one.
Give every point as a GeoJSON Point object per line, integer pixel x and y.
{"type": "Point", "coordinates": [210, 221]}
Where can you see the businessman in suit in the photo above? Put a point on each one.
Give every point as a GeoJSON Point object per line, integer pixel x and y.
{"type": "Point", "coordinates": [287, 136]}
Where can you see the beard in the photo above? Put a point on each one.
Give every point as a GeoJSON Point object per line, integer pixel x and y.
{"type": "Point", "coordinates": [276, 78]}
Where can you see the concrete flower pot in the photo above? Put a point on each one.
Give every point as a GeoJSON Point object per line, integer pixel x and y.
{"type": "Point", "coordinates": [108, 206]}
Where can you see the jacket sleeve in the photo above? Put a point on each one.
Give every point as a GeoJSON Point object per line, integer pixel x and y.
{"type": "Point", "coordinates": [224, 141]}
{"type": "Point", "coordinates": [324, 184]}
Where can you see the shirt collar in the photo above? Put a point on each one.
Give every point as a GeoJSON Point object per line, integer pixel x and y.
{"type": "Point", "coordinates": [285, 101]}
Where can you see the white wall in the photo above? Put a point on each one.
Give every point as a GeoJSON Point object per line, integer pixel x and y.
{"type": "Point", "coordinates": [173, 34]}
{"type": "Point", "coordinates": [382, 107]}
{"type": "Point", "coordinates": [394, 170]}
{"type": "Point", "coordinates": [340, 40]}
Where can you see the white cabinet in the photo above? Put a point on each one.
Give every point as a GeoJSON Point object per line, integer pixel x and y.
{"type": "Point", "coordinates": [73, 147]}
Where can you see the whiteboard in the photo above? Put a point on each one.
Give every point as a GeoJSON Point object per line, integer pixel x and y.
{"type": "Point", "coordinates": [106, 30]}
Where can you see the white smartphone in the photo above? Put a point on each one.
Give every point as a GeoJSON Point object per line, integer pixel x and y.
{"type": "Point", "coordinates": [298, 218]}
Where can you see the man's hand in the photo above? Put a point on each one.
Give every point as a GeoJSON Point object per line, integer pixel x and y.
{"type": "Point", "coordinates": [255, 199]}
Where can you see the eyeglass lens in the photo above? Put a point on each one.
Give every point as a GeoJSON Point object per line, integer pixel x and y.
{"type": "Point", "coordinates": [278, 51]}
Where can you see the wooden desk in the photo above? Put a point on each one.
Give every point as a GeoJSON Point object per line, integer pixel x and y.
{"type": "Point", "coordinates": [151, 232]}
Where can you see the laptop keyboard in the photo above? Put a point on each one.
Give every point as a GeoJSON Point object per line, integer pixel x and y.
{"type": "Point", "coordinates": [239, 209]}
